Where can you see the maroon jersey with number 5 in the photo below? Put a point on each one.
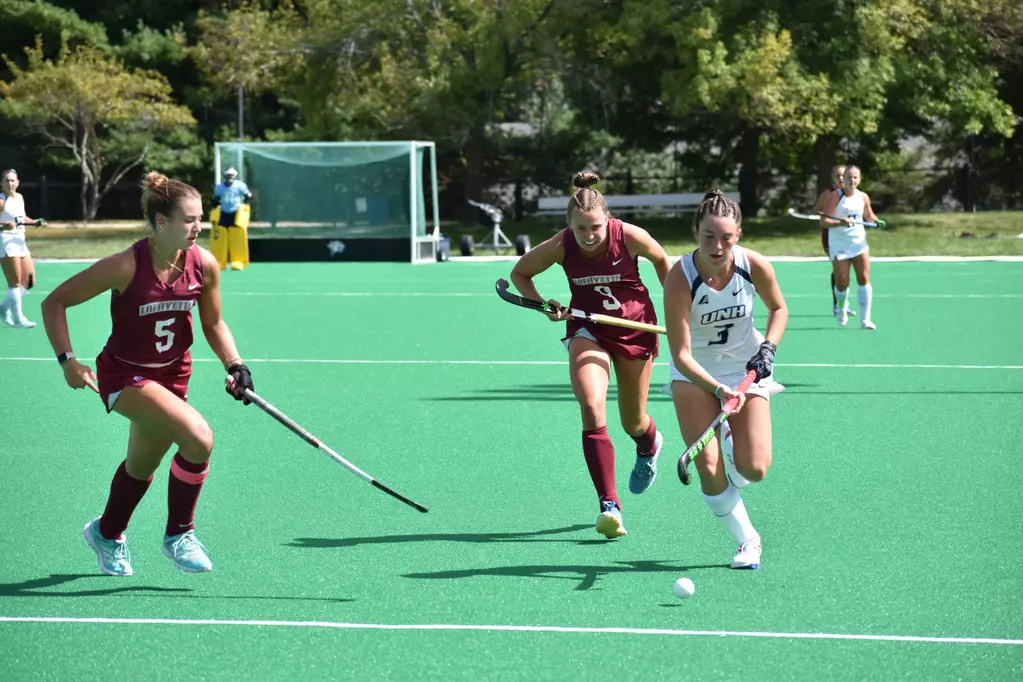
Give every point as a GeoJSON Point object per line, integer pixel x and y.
{"type": "Point", "coordinates": [610, 286]}
{"type": "Point", "coordinates": [152, 320]}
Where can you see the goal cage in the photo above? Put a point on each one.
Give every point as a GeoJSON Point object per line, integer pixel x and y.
{"type": "Point", "coordinates": [337, 200]}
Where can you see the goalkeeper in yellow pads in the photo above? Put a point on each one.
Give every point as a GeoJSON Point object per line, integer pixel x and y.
{"type": "Point", "coordinates": [229, 239]}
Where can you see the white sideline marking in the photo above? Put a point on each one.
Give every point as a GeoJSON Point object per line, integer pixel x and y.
{"type": "Point", "coordinates": [351, 361]}
{"type": "Point", "coordinates": [513, 628]}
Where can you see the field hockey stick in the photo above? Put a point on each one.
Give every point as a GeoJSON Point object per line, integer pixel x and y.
{"type": "Point", "coordinates": [544, 307]}
{"type": "Point", "coordinates": [701, 442]}
{"type": "Point", "coordinates": [316, 443]}
{"type": "Point", "coordinates": [818, 216]}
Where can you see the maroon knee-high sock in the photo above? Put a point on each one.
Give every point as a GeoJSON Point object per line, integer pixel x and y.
{"type": "Point", "coordinates": [125, 494]}
{"type": "Point", "coordinates": [186, 479]}
{"type": "Point", "coordinates": [645, 440]}
{"type": "Point", "coordinates": [599, 452]}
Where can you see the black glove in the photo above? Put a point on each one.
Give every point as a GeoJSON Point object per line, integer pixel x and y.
{"type": "Point", "coordinates": [242, 381]}
{"type": "Point", "coordinates": [763, 361]}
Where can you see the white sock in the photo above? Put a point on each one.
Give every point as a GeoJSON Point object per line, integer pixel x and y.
{"type": "Point", "coordinates": [22, 289]}
{"type": "Point", "coordinates": [843, 298]}
{"type": "Point", "coordinates": [13, 302]}
{"type": "Point", "coordinates": [729, 508]}
{"type": "Point", "coordinates": [866, 294]}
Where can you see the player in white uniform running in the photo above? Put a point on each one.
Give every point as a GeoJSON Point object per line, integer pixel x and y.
{"type": "Point", "coordinates": [708, 309]}
{"type": "Point", "coordinates": [848, 243]}
{"type": "Point", "coordinates": [13, 249]}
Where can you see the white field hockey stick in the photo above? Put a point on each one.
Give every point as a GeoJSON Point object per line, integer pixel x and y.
{"type": "Point", "coordinates": [818, 216]}
{"type": "Point", "coordinates": [544, 307]}
{"type": "Point", "coordinates": [315, 442]}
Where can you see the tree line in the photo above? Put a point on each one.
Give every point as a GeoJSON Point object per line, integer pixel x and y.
{"type": "Point", "coordinates": [762, 96]}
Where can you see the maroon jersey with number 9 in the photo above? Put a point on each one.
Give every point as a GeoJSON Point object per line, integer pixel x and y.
{"type": "Point", "coordinates": [610, 286]}
{"type": "Point", "coordinates": [152, 320]}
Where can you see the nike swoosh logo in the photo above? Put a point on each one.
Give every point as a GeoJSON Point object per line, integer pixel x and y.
{"type": "Point", "coordinates": [736, 293]}
{"type": "Point", "coordinates": [192, 286]}
{"type": "Point", "coordinates": [617, 261]}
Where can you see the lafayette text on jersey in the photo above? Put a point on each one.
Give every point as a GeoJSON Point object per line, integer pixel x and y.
{"type": "Point", "coordinates": [152, 320]}
{"type": "Point", "coordinates": [610, 286]}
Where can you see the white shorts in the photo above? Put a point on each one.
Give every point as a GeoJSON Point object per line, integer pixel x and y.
{"type": "Point", "coordinates": [584, 333]}
{"type": "Point", "coordinates": [846, 243]}
{"type": "Point", "coordinates": [730, 370]}
{"type": "Point", "coordinates": [764, 388]}
{"type": "Point", "coordinates": [13, 244]}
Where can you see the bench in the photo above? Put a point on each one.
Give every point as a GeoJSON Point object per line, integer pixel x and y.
{"type": "Point", "coordinates": [633, 203]}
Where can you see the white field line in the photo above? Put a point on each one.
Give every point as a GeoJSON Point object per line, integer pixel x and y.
{"type": "Point", "coordinates": [512, 628]}
{"type": "Point", "coordinates": [488, 363]}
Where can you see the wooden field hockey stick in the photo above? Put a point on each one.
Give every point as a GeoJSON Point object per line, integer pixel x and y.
{"type": "Point", "coordinates": [316, 443]}
{"type": "Point", "coordinates": [701, 442]}
{"type": "Point", "coordinates": [818, 216]}
{"type": "Point", "coordinates": [544, 307]}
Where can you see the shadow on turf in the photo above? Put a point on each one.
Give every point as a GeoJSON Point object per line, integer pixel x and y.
{"type": "Point", "coordinates": [586, 575]}
{"type": "Point", "coordinates": [473, 538]}
{"type": "Point", "coordinates": [28, 587]}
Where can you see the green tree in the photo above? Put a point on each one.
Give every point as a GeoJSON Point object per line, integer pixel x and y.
{"type": "Point", "coordinates": [88, 105]}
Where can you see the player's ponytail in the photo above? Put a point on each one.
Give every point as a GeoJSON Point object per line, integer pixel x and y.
{"type": "Point", "coordinates": [585, 198]}
{"type": "Point", "coordinates": [161, 194]}
{"type": "Point", "coordinates": [715, 203]}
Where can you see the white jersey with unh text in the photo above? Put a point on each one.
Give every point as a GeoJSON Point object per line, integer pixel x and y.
{"type": "Point", "coordinates": [722, 337]}
{"type": "Point", "coordinates": [13, 212]}
{"type": "Point", "coordinates": [847, 241]}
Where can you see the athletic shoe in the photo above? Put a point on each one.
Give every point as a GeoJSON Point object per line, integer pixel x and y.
{"type": "Point", "coordinates": [867, 324]}
{"type": "Point", "coordinates": [842, 316]}
{"type": "Point", "coordinates": [748, 555]}
{"type": "Point", "coordinates": [6, 316]}
{"type": "Point", "coordinates": [23, 323]}
{"type": "Point", "coordinates": [728, 450]}
{"type": "Point", "coordinates": [851, 312]}
{"type": "Point", "coordinates": [113, 555]}
{"type": "Point", "coordinates": [609, 523]}
{"type": "Point", "coordinates": [645, 470]}
{"type": "Point", "coordinates": [187, 552]}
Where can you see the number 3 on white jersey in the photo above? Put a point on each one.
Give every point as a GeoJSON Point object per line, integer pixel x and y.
{"type": "Point", "coordinates": [614, 303]}
{"type": "Point", "coordinates": [163, 333]}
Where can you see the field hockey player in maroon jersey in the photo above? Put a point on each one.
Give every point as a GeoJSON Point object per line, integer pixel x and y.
{"type": "Point", "coordinates": [600, 257]}
{"type": "Point", "coordinates": [143, 370]}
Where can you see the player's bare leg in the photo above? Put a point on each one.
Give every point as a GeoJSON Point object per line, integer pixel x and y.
{"type": "Point", "coordinates": [131, 481]}
{"type": "Point", "coordinates": [841, 269]}
{"type": "Point", "coordinates": [751, 438]}
{"type": "Point", "coordinates": [861, 264]}
{"type": "Point", "coordinates": [161, 413]}
{"type": "Point", "coordinates": [696, 409]}
{"type": "Point", "coordinates": [633, 390]}
{"type": "Point", "coordinates": [28, 274]}
{"type": "Point", "coordinates": [590, 369]}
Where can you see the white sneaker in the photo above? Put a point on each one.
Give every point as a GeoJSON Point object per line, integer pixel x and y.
{"type": "Point", "coordinates": [609, 523]}
{"type": "Point", "coordinates": [748, 555]}
{"type": "Point", "coordinates": [842, 316]}
{"type": "Point", "coordinates": [867, 324]}
{"type": "Point", "coordinates": [850, 311]}
{"type": "Point", "coordinates": [22, 323]}
{"type": "Point", "coordinates": [728, 450]}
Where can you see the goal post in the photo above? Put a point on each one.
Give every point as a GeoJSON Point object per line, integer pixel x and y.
{"type": "Point", "coordinates": [360, 200]}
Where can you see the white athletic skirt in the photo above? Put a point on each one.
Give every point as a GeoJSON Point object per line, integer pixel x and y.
{"type": "Point", "coordinates": [730, 369]}
{"type": "Point", "coordinates": [13, 244]}
{"type": "Point", "coordinates": [845, 243]}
